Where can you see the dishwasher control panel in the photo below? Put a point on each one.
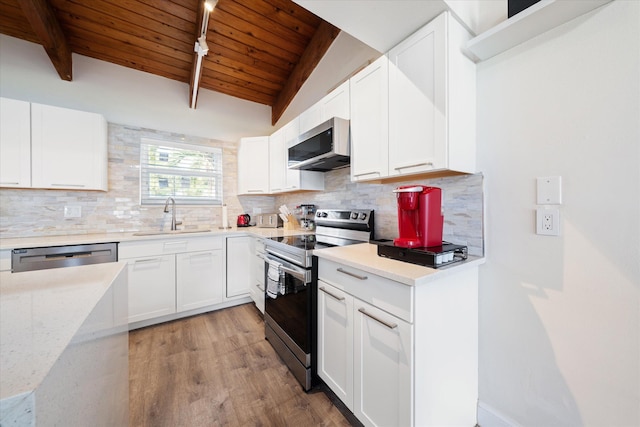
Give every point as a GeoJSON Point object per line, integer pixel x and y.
{"type": "Point", "coordinates": [29, 259]}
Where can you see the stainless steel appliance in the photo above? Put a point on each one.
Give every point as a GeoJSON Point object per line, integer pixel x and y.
{"type": "Point", "coordinates": [29, 259]}
{"type": "Point", "coordinates": [291, 274]}
{"type": "Point", "coordinates": [323, 148]}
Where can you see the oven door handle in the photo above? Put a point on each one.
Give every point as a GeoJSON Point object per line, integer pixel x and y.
{"type": "Point", "coordinates": [297, 273]}
{"type": "Point", "coordinates": [294, 273]}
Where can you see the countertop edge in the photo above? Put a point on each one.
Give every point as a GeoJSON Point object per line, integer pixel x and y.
{"type": "Point", "coordinates": [364, 257]}
{"type": "Point", "coordinates": [121, 237]}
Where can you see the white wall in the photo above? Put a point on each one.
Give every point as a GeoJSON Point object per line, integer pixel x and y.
{"type": "Point", "coordinates": [559, 316]}
{"type": "Point", "coordinates": [130, 97]}
{"type": "Point", "coordinates": [126, 96]}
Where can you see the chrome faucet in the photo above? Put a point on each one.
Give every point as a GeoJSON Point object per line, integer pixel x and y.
{"type": "Point", "coordinates": [174, 223]}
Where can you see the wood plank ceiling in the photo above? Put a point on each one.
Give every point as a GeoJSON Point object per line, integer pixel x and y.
{"type": "Point", "coordinates": [259, 50]}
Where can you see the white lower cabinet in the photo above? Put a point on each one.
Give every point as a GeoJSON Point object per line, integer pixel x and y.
{"type": "Point", "coordinates": [199, 279]}
{"type": "Point", "coordinates": [173, 275]}
{"type": "Point", "coordinates": [238, 275]}
{"type": "Point", "coordinates": [335, 341]}
{"type": "Point", "coordinates": [383, 351]}
{"type": "Point", "coordinates": [399, 355]}
{"type": "Point", "coordinates": [257, 284]}
{"type": "Point", "coordinates": [152, 287]}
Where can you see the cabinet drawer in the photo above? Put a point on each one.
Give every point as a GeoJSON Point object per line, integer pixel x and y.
{"type": "Point", "coordinates": [392, 297]}
{"type": "Point", "coordinates": [168, 246]}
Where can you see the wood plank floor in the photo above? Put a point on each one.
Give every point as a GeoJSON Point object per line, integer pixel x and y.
{"type": "Point", "coordinates": [216, 369]}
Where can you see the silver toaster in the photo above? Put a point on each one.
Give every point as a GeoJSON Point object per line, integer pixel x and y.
{"type": "Point", "coordinates": [271, 220]}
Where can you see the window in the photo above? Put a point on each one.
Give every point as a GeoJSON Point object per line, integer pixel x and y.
{"type": "Point", "coordinates": [191, 174]}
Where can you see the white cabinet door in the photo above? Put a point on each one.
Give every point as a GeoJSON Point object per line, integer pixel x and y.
{"type": "Point", "coordinates": [370, 122]}
{"type": "Point", "coordinates": [238, 271]}
{"type": "Point", "coordinates": [256, 286]}
{"type": "Point", "coordinates": [277, 162]}
{"type": "Point", "coordinates": [15, 143]}
{"type": "Point", "coordinates": [417, 101]}
{"type": "Point", "coordinates": [335, 341]}
{"type": "Point", "coordinates": [69, 149]}
{"type": "Point", "coordinates": [383, 354]}
{"type": "Point", "coordinates": [200, 279]}
{"type": "Point", "coordinates": [152, 287]}
{"type": "Point", "coordinates": [253, 165]}
{"type": "Point", "coordinates": [336, 103]}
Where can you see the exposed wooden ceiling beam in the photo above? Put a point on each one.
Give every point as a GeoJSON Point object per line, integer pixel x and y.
{"type": "Point", "coordinates": [320, 43]}
{"type": "Point", "coordinates": [194, 67]}
{"type": "Point", "coordinates": [45, 25]}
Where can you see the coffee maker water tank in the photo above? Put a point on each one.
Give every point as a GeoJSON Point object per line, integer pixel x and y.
{"type": "Point", "coordinates": [420, 220]}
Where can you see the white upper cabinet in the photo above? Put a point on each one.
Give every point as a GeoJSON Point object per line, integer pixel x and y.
{"type": "Point", "coordinates": [413, 110]}
{"type": "Point", "coordinates": [334, 104]}
{"type": "Point", "coordinates": [15, 143]}
{"type": "Point", "coordinates": [370, 122]}
{"type": "Point", "coordinates": [432, 101]}
{"type": "Point", "coordinates": [42, 146]}
{"type": "Point", "coordinates": [69, 149]}
{"type": "Point", "coordinates": [253, 165]}
{"type": "Point", "coordinates": [281, 178]}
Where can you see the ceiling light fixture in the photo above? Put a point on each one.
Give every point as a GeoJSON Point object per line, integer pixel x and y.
{"type": "Point", "coordinates": [201, 48]}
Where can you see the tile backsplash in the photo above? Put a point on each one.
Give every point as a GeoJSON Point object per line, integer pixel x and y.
{"type": "Point", "coordinates": [26, 212]}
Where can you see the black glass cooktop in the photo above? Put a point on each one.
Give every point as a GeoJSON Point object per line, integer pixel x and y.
{"type": "Point", "coordinates": [311, 241]}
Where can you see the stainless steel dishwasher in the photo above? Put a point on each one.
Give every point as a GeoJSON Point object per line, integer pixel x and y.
{"type": "Point", "coordinates": [29, 259]}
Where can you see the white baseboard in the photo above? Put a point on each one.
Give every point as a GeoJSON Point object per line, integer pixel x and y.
{"type": "Point", "coordinates": [490, 417]}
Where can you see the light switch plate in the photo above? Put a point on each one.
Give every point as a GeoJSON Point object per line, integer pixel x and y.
{"type": "Point", "coordinates": [549, 190]}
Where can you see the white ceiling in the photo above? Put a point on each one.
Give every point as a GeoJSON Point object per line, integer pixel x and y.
{"type": "Point", "coordinates": [382, 24]}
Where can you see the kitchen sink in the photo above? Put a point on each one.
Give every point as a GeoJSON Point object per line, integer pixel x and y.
{"type": "Point", "coordinates": [155, 233]}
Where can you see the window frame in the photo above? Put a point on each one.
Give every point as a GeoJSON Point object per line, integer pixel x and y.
{"type": "Point", "coordinates": [216, 174]}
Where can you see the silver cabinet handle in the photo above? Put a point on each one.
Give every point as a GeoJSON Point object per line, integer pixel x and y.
{"type": "Point", "coordinates": [348, 273]}
{"type": "Point", "coordinates": [377, 319]}
{"type": "Point", "coordinates": [255, 191]}
{"type": "Point", "coordinates": [367, 173]}
{"type": "Point", "coordinates": [259, 286]}
{"type": "Point", "coordinates": [67, 185]}
{"type": "Point", "coordinates": [147, 260]}
{"type": "Point", "coordinates": [331, 294]}
{"type": "Point", "coordinates": [414, 165]}
{"type": "Point", "coordinates": [9, 183]}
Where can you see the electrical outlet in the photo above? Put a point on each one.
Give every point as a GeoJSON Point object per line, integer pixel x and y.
{"type": "Point", "coordinates": [72, 211]}
{"type": "Point", "coordinates": [548, 222]}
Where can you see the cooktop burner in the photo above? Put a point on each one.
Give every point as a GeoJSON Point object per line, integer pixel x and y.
{"type": "Point", "coordinates": [310, 242]}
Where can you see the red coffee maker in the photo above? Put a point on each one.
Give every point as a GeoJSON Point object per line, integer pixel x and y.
{"type": "Point", "coordinates": [420, 219]}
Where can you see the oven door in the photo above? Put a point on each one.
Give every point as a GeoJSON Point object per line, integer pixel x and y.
{"type": "Point", "coordinates": [291, 311]}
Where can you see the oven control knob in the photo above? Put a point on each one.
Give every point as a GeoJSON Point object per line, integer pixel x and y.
{"type": "Point", "coordinates": [322, 214]}
{"type": "Point", "coordinates": [363, 216]}
{"type": "Point", "coordinates": [354, 215]}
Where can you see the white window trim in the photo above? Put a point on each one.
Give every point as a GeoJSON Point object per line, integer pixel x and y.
{"type": "Point", "coordinates": [147, 201]}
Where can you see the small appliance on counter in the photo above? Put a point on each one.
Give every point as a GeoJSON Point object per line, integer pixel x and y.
{"type": "Point", "coordinates": [243, 220]}
{"type": "Point", "coordinates": [271, 220]}
{"type": "Point", "coordinates": [306, 213]}
{"type": "Point", "coordinates": [420, 225]}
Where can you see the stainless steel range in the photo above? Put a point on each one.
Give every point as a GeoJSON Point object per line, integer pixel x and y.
{"type": "Point", "coordinates": [291, 278]}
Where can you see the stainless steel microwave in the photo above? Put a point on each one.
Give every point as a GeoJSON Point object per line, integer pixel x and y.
{"type": "Point", "coordinates": [323, 148]}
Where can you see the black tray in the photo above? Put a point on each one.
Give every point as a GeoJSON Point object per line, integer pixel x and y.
{"type": "Point", "coordinates": [428, 257]}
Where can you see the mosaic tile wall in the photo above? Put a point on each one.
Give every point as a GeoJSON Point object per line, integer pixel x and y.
{"type": "Point", "coordinates": [25, 213]}
{"type": "Point", "coordinates": [462, 204]}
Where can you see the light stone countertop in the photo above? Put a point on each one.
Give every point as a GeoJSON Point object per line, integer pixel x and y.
{"type": "Point", "coordinates": [40, 312]}
{"type": "Point", "coordinates": [78, 239]}
{"type": "Point", "coordinates": [365, 257]}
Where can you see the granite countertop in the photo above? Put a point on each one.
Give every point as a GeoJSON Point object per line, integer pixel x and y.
{"type": "Point", "coordinates": [365, 257]}
{"type": "Point", "coordinates": [78, 239]}
{"type": "Point", "coordinates": [40, 313]}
